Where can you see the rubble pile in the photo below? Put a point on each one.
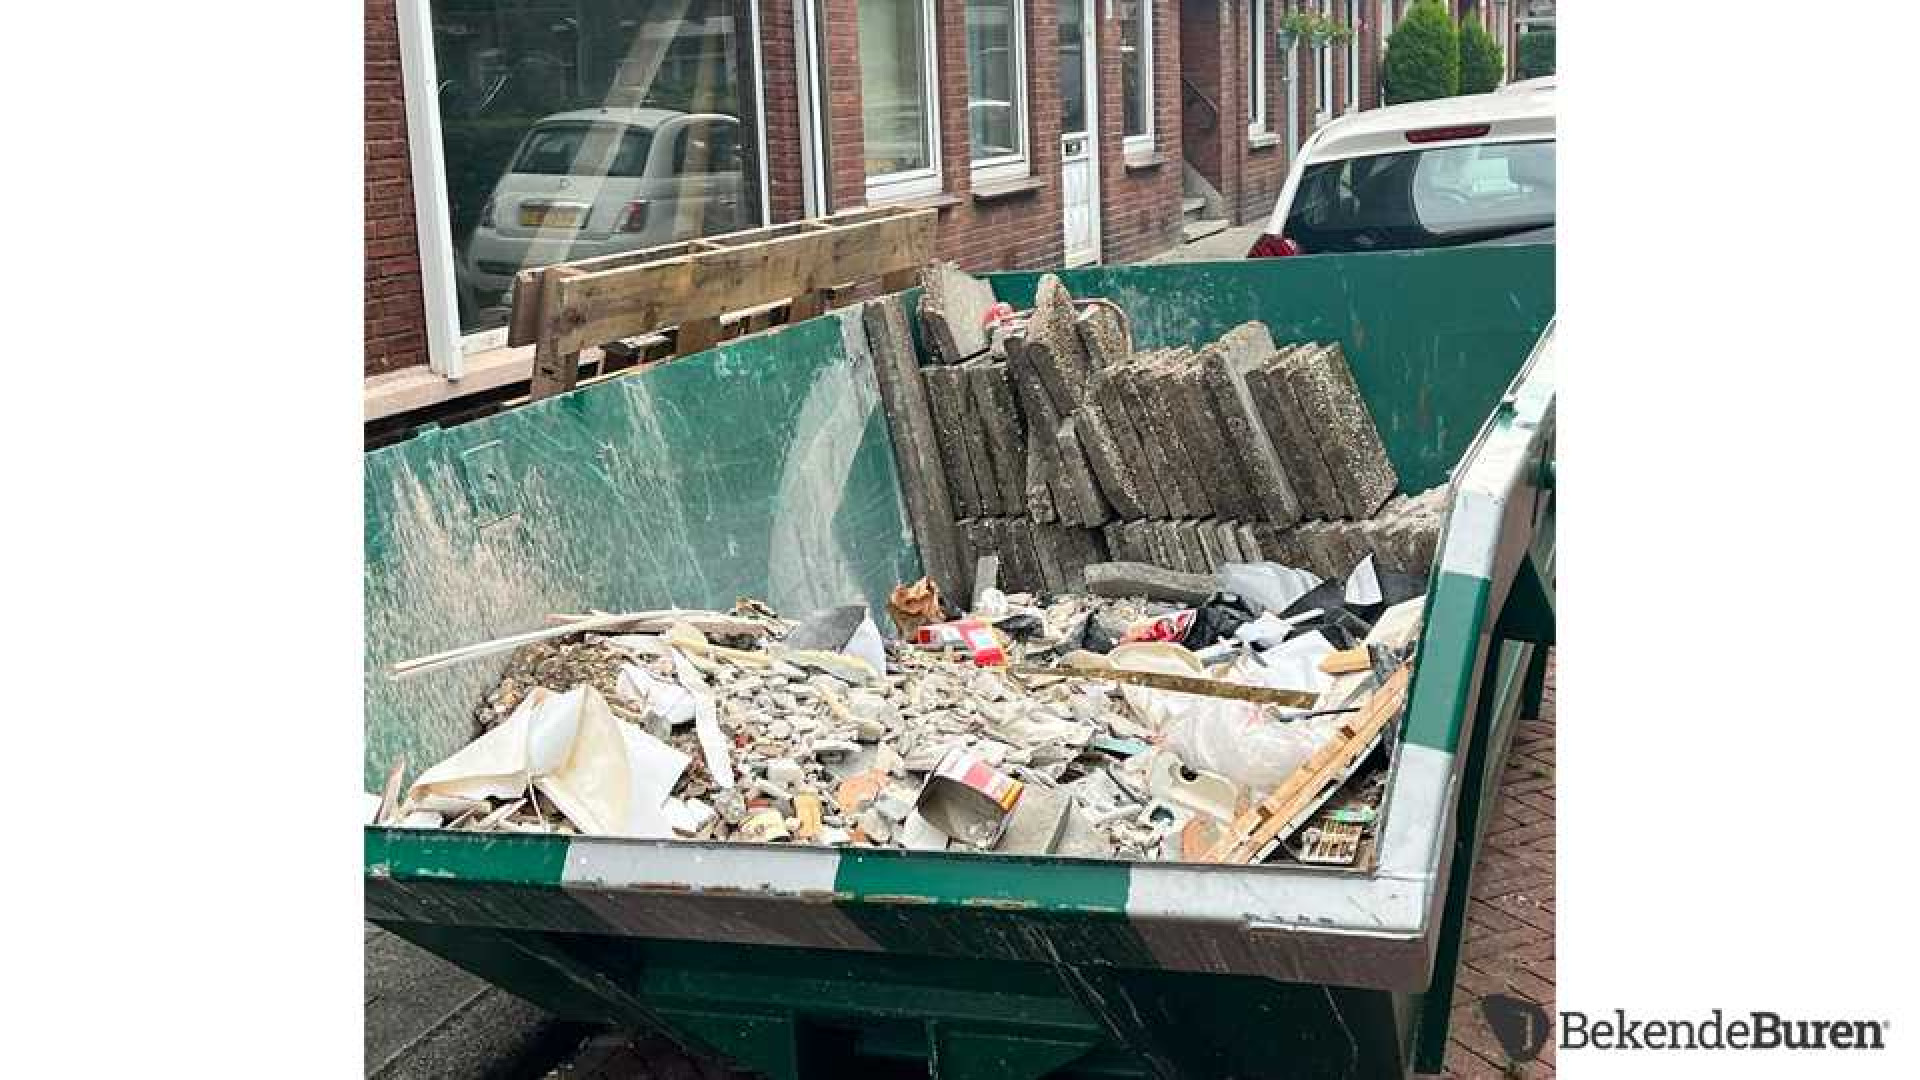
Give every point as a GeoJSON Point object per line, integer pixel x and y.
{"type": "Point", "coordinates": [1018, 729]}
{"type": "Point", "coordinates": [1060, 445]}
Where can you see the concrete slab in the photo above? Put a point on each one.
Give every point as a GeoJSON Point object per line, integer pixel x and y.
{"type": "Point", "coordinates": [1001, 423]}
{"type": "Point", "coordinates": [1077, 477]}
{"type": "Point", "coordinates": [1293, 437]}
{"type": "Point", "coordinates": [1323, 385]}
{"type": "Point", "coordinates": [947, 394]}
{"type": "Point", "coordinates": [1225, 365]}
{"type": "Point", "coordinates": [1107, 395]}
{"type": "Point", "coordinates": [953, 311]}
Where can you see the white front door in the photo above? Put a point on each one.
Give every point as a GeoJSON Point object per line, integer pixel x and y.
{"type": "Point", "coordinates": [1079, 149]}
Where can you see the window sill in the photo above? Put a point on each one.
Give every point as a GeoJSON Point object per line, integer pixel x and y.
{"type": "Point", "coordinates": [1142, 162]}
{"type": "Point", "coordinates": [994, 190]}
{"type": "Point", "coordinates": [938, 200]}
{"type": "Point", "coordinates": [1265, 140]}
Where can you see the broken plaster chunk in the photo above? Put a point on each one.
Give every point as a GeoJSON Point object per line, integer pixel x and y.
{"type": "Point", "coordinates": [1037, 822]}
{"type": "Point", "coordinates": [832, 751]}
{"type": "Point", "coordinates": [785, 772]}
{"type": "Point", "coordinates": [953, 311]}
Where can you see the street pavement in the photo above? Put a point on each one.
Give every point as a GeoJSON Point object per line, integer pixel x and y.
{"type": "Point", "coordinates": [1228, 244]}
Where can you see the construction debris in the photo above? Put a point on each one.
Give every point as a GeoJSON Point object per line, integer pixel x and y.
{"type": "Point", "coordinates": [1190, 591]}
{"type": "Point", "coordinates": [1041, 735]}
{"type": "Point", "coordinates": [1065, 447]}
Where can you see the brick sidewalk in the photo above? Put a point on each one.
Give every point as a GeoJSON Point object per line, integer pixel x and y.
{"type": "Point", "coordinates": [1510, 919]}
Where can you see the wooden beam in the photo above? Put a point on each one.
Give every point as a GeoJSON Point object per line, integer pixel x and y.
{"type": "Point", "coordinates": [598, 306]}
{"type": "Point", "coordinates": [1286, 808]}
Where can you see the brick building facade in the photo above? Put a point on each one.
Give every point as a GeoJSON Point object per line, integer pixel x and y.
{"type": "Point", "coordinates": [1200, 143]}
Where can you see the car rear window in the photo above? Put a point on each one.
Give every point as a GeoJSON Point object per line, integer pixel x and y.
{"type": "Point", "coordinates": [1424, 198]}
{"type": "Point", "coordinates": [567, 150]}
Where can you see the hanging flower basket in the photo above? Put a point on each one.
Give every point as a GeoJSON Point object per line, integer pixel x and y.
{"type": "Point", "coordinates": [1295, 26]}
{"type": "Point", "coordinates": [1320, 37]}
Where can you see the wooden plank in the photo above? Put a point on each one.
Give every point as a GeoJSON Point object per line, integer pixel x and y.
{"type": "Point", "coordinates": [697, 335]}
{"type": "Point", "coordinates": [1178, 684]}
{"type": "Point", "coordinates": [556, 368]}
{"type": "Point", "coordinates": [806, 305]}
{"type": "Point", "coordinates": [523, 327]}
{"type": "Point", "coordinates": [523, 322]}
{"type": "Point", "coordinates": [595, 307]}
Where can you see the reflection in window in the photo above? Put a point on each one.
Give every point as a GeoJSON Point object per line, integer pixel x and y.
{"type": "Point", "coordinates": [995, 81]}
{"type": "Point", "coordinates": [895, 94]}
{"type": "Point", "coordinates": [577, 128]}
{"type": "Point", "coordinates": [1256, 58]}
{"type": "Point", "coordinates": [1136, 68]}
{"type": "Point", "coordinates": [1073, 66]}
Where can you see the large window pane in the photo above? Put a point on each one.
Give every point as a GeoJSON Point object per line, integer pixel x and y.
{"type": "Point", "coordinates": [1136, 76]}
{"type": "Point", "coordinates": [577, 128]}
{"type": "Point", "coordinates": [1073, 66]}
{"type": "Point", "coordinates": [1256, 67]}
{"type": "Point", "coordinates": [893, 86]}
{"type": "Point", "coordinates": [993, 79]}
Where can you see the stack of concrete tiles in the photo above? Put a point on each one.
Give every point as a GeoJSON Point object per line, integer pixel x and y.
{"type": "Point", "coordinates": [1062, 446]}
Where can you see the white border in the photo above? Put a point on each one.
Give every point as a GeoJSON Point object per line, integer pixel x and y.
{"type": "Point", "coordinates": [1323, 70]}
{"type": "Point", "coordinates": [1019, 163]}
{"type": "Point", "coordinates": [1256, 24]}
{"type": "Point", "coordinates": [890, 187]}
{"type": "Point", "coordinates": [432, 233]}
{"type": "Point", "coordinates": [1090, 62]}
{"type": "Point", "coordinates": [807, 65]}
{"type": "Point", "coordinates": [1354, 22]}
{"type": "Point", "coordinates": [1143, 143]}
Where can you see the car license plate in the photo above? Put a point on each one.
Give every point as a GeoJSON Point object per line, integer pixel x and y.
{"type": "Point", "coordinates": [550, 216]}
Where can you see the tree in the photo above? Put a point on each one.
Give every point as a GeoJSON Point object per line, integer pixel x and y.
{"type": "Point", "coordinates": [1481, 63]}
{"type": "Point", "coordinates": [1533, 56]}
{"type": "Point", "coordinates": [1423, 55]}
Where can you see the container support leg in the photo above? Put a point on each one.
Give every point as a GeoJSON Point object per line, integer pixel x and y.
{"type": "Point", "coordinates": [1430, 1043]}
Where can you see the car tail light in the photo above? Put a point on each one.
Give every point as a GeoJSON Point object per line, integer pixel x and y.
{"type": "Point", "coordinates": [1270, 246]}
{"type": "Point", "coordinates": [633, 217]}
{"type": "Point", "coordinates": [1442, 134]}
{"type": "Point", "coordinates": [486, 213]}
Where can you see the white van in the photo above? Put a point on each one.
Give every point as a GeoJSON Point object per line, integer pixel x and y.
{"type": "Point", "coordinates": [1476, 169]}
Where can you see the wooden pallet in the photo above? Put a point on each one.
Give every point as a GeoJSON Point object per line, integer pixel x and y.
{"type": "Point", "coordinates": [1257, 830]}
{"type": "Point", "coordinates": [781, 273]}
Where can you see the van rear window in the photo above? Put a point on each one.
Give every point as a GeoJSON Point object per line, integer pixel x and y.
{"type": "Point", "coordinates": [584, 150]}
{"type": "Point", "coordinates": [1424, 198]}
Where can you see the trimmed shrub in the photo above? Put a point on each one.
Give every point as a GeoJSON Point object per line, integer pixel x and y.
{"type": "Point", "coordinates": [1481, 64]}
{"type": "Point", "coordinates": [1533, 56]}
{"type": "Point", "coordinates": [1423, 55]}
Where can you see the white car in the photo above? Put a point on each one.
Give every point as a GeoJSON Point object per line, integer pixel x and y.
{"type": "Point", "coordinates": [601, 181]}
{"type": "Point", "coordinates": [1476, 169]}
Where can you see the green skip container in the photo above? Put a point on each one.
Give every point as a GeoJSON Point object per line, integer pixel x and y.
{"type": "Point", "coordinates": [763, 468]}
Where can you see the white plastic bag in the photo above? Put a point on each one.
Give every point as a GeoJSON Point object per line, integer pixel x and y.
{"type": "Point", "coordinates": [1242, 742]}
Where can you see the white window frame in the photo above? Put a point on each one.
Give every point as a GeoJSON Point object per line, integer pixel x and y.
{"type": "Point", "coordinates": [448, 350]}
{"type": "Point", "coordinates": [1353, 56]}
{"type": "Point", "coordinates": [1323, 70]}
{"type": "Point", "coordinates": [914, 183]}
{"type": "Point", "coordinates": [1142, 145]}
{"type": "Point", "coordinates": [1019, 163]}
{"type": "Point", "coordinates": [1257, 55]}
